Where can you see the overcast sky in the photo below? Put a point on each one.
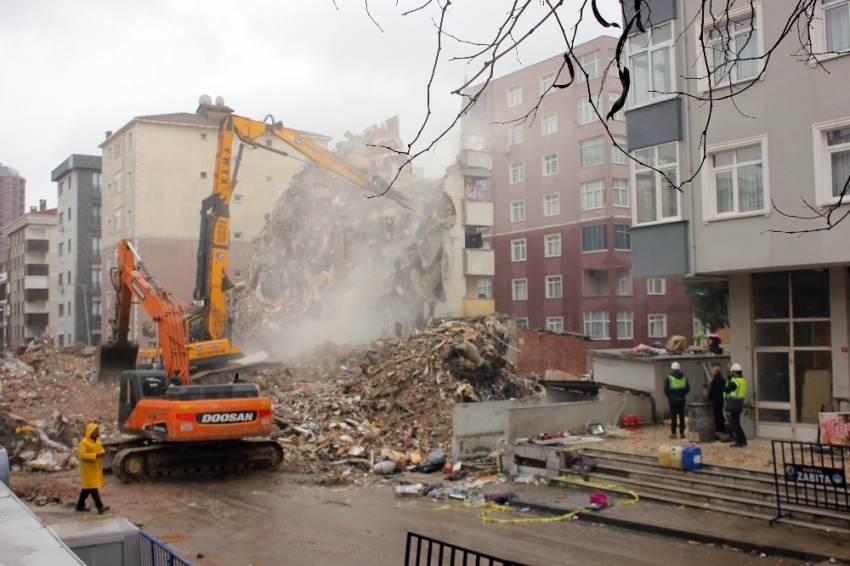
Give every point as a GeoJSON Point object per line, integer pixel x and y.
{"type": "Point", "coordinates": [73, 69]}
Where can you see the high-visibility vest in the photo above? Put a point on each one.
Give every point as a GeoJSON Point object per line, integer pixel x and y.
{"type": "Point", "coordinates": [740, 387]}
{"type": "Point", "coordinates": [677, 383]}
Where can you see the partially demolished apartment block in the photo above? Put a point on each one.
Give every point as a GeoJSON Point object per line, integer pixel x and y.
{"type": "Point", "coordinates": [562, 197]}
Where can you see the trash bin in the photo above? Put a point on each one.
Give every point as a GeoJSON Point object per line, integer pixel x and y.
{"type": "Point", "coordinates": [701, 422]}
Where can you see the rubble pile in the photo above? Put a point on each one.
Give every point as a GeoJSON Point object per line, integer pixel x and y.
{"type": "Point", "coordinates": [388, 401]}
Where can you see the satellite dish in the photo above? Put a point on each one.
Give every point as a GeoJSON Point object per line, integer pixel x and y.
{"type": "Point", "coordinates": [204, 100]}
{"type": "Point", "coordinates": [219, 101]}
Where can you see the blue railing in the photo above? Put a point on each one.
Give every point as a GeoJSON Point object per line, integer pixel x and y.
{"type": "Point", "coordinates": [154, 553]}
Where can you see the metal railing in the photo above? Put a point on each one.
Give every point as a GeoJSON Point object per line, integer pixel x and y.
{"type": "Point", "coordinates": [425, 551]}
{"type": "Point", "coordinates": [154, 553]}
{"type": "Point", "coordinates": [809, 474]}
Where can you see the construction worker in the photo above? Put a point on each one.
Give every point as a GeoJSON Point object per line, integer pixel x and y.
{"type": "Point", "coordinates": [91, 451]}
{"type": "Point", "coordinates": [717, 396]}
{"type": "Point", "coordinates": [676, 388]}
{"type": "Point", "coordinates": [735, 392]}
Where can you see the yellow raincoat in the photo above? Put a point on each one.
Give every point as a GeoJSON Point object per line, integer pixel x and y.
{"type": "Point", "coordinates": [90, 467]}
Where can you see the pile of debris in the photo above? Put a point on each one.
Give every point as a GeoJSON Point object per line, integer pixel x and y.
{"type": "Point", "coordinates": [389, 401]}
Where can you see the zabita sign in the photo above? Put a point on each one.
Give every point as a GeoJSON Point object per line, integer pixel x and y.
{"type": "Point", "coordinates": [835, 428]}
{"type": "Point", "coordinates": [814, 475]}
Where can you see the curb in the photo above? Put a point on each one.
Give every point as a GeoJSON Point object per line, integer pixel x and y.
{"type": "Point", "coordinates": [705, 538]}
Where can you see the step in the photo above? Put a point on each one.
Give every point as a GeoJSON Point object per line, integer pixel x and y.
{"type": "Point", "coordinates": [672, 500]}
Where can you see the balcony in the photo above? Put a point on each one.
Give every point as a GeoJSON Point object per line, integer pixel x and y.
{"type": "Point", "coordinates": [36, 319]}
{"type": "Point", "coordinates": [36, 245]}
{"type": "Point", "coordinates": [478, 307]}
{"type": "Point", "coordinates": [478, 160]}
{"type": "Point", "coordinates": [479, 262]}
{"type": "Point", "coordinates": [35, 269]}
{"type": "Point", "coordinates": [477, 212]}
{"type": "Point", "coordinates": [31, 295]}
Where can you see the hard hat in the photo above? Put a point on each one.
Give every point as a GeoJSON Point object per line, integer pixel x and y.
{"type": "Point", "coordinates": [675, 365]}
{"type": "Point", "coordinates": [736, 367]}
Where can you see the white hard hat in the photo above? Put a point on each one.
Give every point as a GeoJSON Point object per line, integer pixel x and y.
{"type": "Point", "coordinates": [675, 365]}
{"type": "Point", "coordinates": [736, 367]}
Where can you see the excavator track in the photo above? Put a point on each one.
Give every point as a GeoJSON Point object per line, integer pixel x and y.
{"type": "Point", "coordinates": [196, 459]}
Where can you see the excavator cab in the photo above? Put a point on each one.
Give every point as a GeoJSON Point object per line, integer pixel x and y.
{"type": "Point", "coordinates": [114, 358]}
{"type": "Point", "coordinates": [137, 385]}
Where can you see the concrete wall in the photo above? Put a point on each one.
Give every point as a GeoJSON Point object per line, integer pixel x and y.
{"type": "Point", "coordinates": [477, 427]}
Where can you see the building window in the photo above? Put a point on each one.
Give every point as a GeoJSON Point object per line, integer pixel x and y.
{"type": "Point", "coordinates": [61, 247]}
{"type": "Point", "coordinates": [554, 287]}
{"type": "Point", "coordinates": [129, 219]}
{"type": "Point", "coordinates": [592, 65]}
{"type": "Point", "coordinates": [516, 134]}
{"type": "Point", "coordinates": [625, 325]}
{"type": "Point", "coordinates": [550, 164]}
{"type": "Point", "coordinates": [95, 213]}
{"type": "Point", "coordinates": [591, 151]}
{"type": "Point", "coordinates": [96, 309]}
{"type": "Point", "coordinates": [518, 211]}
{"type": "Point", "coordinates": [203, 137]}
{"type": "Point", "coordinates": [95, 182]}
{"type": "Point", "coordinates": [117, 219]}
{"type": "Point", "coordinates": [618, 156]}
{"type": "Point", "coordinates": [652, 64]}
{"type": "Point", "coordinates": [621, 192]}
{"type": "Point", "coordinates": [522, 322]}
{"type": "Point", "coordinates": [832, 160]}
{"type": "Point", "coordinates": [117, 149]}
{"type": "Point", "coordinates": [59, 218]}
{"type": "Point", "coordinates": [479, 106]}
{"type": "Point", "coordinates": [61, 309]}
{"type": "Point", "coordinates": [129, 141]}
{"type": "Point", "coordinates": [622, 237]}
{"type": "Point", "coordinates": [550, 124]}
{"type": "Point", "coordinates": [624, 281]}
{"type": "Point", "coordinates": [518, 250]}
{"type": "Point", "coordinates": [551, 205]}
{"type": "Point", "coordinates": [736, 180]}
{"type": "Point", "coordinates": [237, 235]}
{"type": "Point", "coordinates": [597, 325]}
{"type": "Point", "coordinates": [515, 96]}
{"type": "Point", "coordinates": [613, 97]}
{"type": "Point", "coordinates": [657, 325]}
{"type": "Point", "coordinates": [655, 287]}
{"type": "Point", "coordinates": [586, 113]}
{"type": "Point", "coordinates": [130, 180]}
{"type": "Point", "coordinates": [477, 143]}
{"type": "Point", "coordinates": [517, 172]}
{"type": "Point", "coordinates": [69, 245]}
{"type": "Point", "coordinates": [60, 187]}
{"type": "Point", "coordinates": [546, 82]}
{"type": "Point", "coordinates": [61, 277]}
{"type": "Point", "coordinates": [519, 289]}
{"type": "Point", "coordinates": [203, 174]}
{"type": "Point", "coordinates": [555, 323]}
{"type": "Point", "coordinates": [552, 245]}
{"type": "Point", "coordinates": [592, 194]}
{"type": "Point", "coordinates": [95, 245]}
{"type": "Point", "coordinates": [237, 198]}
{"type": "Point", "coordinates": [594, 238]}
{"type": "Point", "coordinates": [733, 50]}
{"type": "Point", "coordinates": [116, 182]}
{"type": "Point", "coordinates": [836, 19]}
{"type": "Point", "coordinates": [485, 288]}
{"type": "Point", "coordinates": [96, 279]}
{"type": "Point", "coordinates": [657, 199]}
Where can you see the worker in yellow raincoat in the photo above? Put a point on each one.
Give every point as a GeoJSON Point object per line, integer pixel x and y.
{"type": "Point", "coordinates": [91, 451]}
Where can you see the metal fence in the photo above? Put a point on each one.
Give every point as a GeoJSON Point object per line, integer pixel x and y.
{"type": "Point", "coordinates": [154, 553]}
{"type": "Point", "coordinates": [425, 551]}
{"type": "Point", "coordinates": [809, 474]}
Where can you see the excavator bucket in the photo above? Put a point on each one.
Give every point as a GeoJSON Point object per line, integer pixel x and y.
{"type": "Point", "coordinates": [113, 358]}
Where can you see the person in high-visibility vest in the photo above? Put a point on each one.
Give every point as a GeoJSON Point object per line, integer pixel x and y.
{"type": "Point", "coordinates": [735, 392]}
{"type": "Point", "coordinates": [676, 388]}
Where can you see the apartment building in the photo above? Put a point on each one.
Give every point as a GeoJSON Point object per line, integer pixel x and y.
{"type": "Point", "coordinates": [4, 305]}
{"type": "Point", "coordinates": [784, 141]}
{"type": "Point", "coordinates": [157, 169]}
{"type": "Point", "coordinates": [562, 208]}
{"type": "Point", "coordinates": [78, 271]}
{"type": "Point", "coordinates": [32, 290]}
{"type": "Point", "coordinates": [13, 193]}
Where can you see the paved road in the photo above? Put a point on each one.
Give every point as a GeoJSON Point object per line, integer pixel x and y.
{"type": "Point", "coordinates": [274, 518]}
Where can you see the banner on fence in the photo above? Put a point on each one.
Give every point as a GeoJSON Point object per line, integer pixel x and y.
{"type": "Point", "coordinates": [814, 475]}
{"type": "Point", "coordinates": [835, 428]}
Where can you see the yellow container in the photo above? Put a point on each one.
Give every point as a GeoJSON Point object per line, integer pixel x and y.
{"type": "Point", "coordinates": [676, 457]}
{"type": "Point", "coordinates": [665, 459]}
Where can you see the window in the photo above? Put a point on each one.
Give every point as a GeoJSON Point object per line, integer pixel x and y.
{"type": "Point", "coordinates": [551, 205]}
{"type": "Point", "coordinates": [555, 323]}
{"type": "Point", "coordinates": [117, 219]}
{"type": "Point", "coordinates": [69, 282]}
{"type": "Point", "coordinates": [522, 323]}
{"type": "Point", "coordinates": [592, 65]}
{"type": "Point", "coordinates": [586, 112]}
{"type": "Point", "coordinates": [651, 58]}
{"type": "Point", "coordinates": [61, 247]}
{"type": "Point", "coordinates": [237, 198]}
{"type": "Point", "coordinates": [116, 184]}
{"type": "Point", "coordinates": [95, 245]}
{"type": "Point", "coordinates": [546, 82]}
{"type": "Point", "coordinates": [96, 309]}
{"type": "Point", "coordinates": [594, 238]}
{"type": "Point", "coordinates": [622, 238]}
{"type": "Point", "coordinates": [517, 172]}
{"type": "Point", "coordinates": [59, 218]}
{"type": "Point", "coordinates": [518, 250]}
{"type": "Point", "coordinates": [203, 137]}
{"type": "Point", "coordinates": [550, 124]}
{"type": "Point", "coordinates": [129, 141]}
{"type": "Point", "coordinates": [832, 160]}
{"type": "Point", "coordinates": [657, 199]}
{"type": "Point", "coordinates": [237, 235]}
{"type": "Point", "coordinates": [618, 156]}
{"type": "Point", "coordinates": [597, 325]}
{"type": "Point", "coordinates": [96, 279]}
{"type": "Point", "coordinates": [624, 281]}
{"type": "Point", "coordinates": [655, 287]}
{"type": "Point", "coordinates": [237, 273]}
{"type": "Point", "coordinates": [479, 107]}
{"type": "Point", "coordinates": [836, 20]}
{"type": "Point", "coordinates": [552, 245]}
{"type": "Point", "coordinates": [130, 179]}
{"type": "Point", "coordinates": [485, 287]}
{"type": "Point", "coordinates": [69, 214]}
{"type": "Point", "coordinates": [554, 287]}
{"type": "Point", "coordinates": [736, 180]}
{"type": "Point", "coordinates": [621, 192]}
{"type": "Point", "coordinates": [518, 211]}
{"type": "Point", "coordinates": [61, 279]}
{"type": "Point", "coordinates": [516, 133]}
{"type": "Point", "coordinates": [477, 143]}
{"type": "Point", "coordinates": [657, 325]}
{"type": "Point", "coordinates": [613, 97]}
{"type": "Point", "coordinates": [515, 96]}
{"type": "Point", "coordinates": [550, 164]}
{"type": "Point", "coordinates": [60, 188]}
{"type": "Point", "coordinates": [69, 314]}
{"type": "Point", "coordinates": [117, 150]}
{"type": "Point", "coordinates": [69, 245]}
{"type": "Point", "coordinates": [625, 325]}
{"type": "Point", "coordinates": [733, 50]}
{"type": "Point", "coordinates": [203, 174]}
{"type": "Point", "coordinates": [519, 289]}
{"type": "Point", "coordinates": [592, 194]}
{"type": "Point", "coordinates": [108, 225]}
{"type": "Point", "coordinates": [591, 151]}
{"type": "Point", "coordinates": [95, 182]}
{"type": "Point", "coordinates": [838, 147]}
{"type": "Point", "coordinates": [129, 219]}
{"type": "Point", "coordinates": [61, 309]}
{"type": "Point", "coordinates": [95, 213]}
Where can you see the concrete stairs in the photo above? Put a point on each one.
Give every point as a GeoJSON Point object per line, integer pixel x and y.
{"type": "Point", "coordinates": [749, 493]}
